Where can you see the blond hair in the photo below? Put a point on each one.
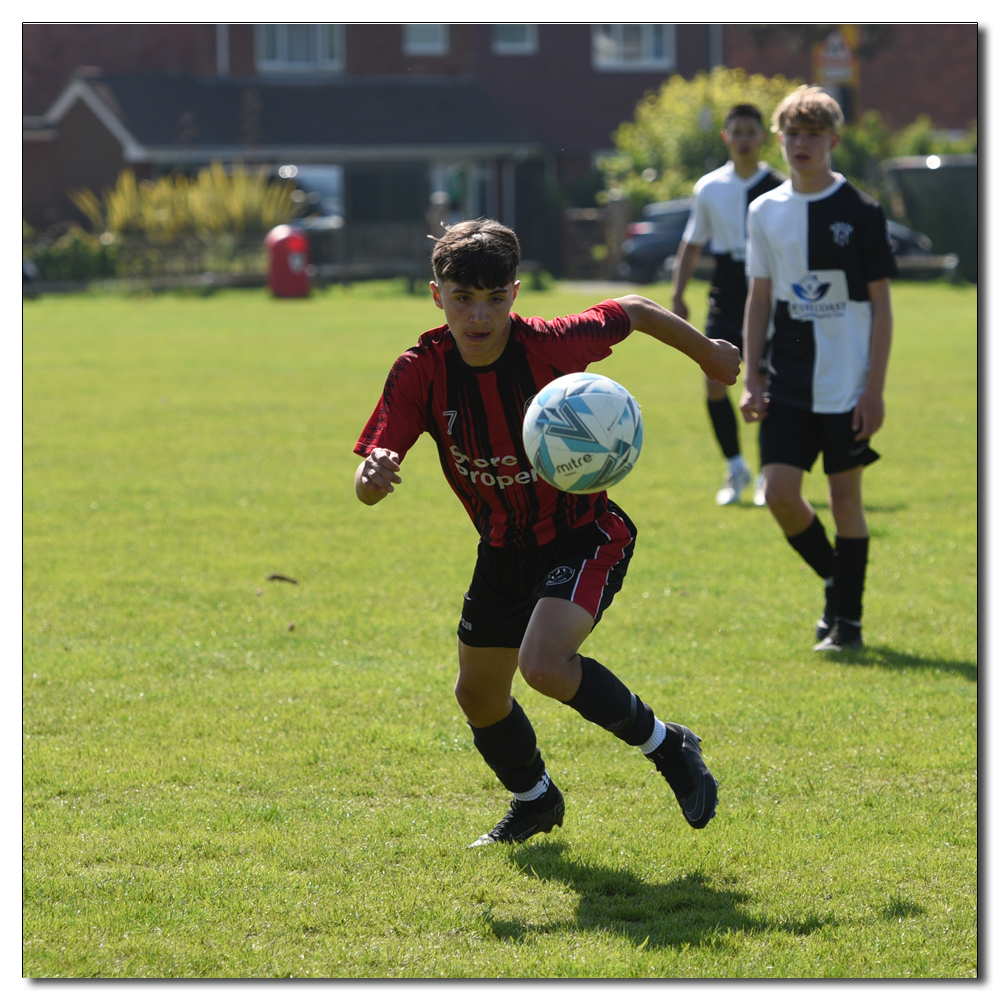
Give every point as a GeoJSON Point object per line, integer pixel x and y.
{"type": "Point", "coordinates": [810, 105]}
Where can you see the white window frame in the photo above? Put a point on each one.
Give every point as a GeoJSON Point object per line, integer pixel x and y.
{"type": "Point", "coordinates": [322, 58]}
{"type": "Point", "coordinates": [608, 48]}
{"type": "Point", "coordinates": [413, 46]}
{"type": "Point", "coordinates": [527, 47]}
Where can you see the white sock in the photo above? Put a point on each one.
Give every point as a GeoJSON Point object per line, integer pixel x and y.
{"type": "Point", "coordinates": [659, 735]}
{"type": "Point", "coordinates": [738, 462]}
{"type": "Point", "coordinates": [534, 793]}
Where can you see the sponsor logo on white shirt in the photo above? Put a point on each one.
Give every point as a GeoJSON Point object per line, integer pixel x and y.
{"type": "Point", "coordinates": [813, 302]}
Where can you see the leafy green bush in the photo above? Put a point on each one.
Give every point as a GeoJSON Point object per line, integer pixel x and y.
{"type": "Point", "coordinates": [76, 256]}
{"type": "Point", "coordinates": [866, 143]}
{"type": "Point", "coordinates": [921, 139]}
{"type": "Point", "coordinates": [674, 137]}
{"type": "Point", "coordinates": [862, 147]}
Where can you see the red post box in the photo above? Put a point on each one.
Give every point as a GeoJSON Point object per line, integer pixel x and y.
{"type": "Point", "coordinates": [287, 262]}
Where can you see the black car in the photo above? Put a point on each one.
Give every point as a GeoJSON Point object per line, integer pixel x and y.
{"type": "Point", "coordinates": [649, 242]}
{"type": "Point", "coordinates": [908, 242]}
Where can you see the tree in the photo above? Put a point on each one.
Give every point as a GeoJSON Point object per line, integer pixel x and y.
{"type": "Point", "coordinates": [674, 136]}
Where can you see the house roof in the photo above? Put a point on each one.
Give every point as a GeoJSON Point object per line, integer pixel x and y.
{"type": "Point", "coordinates": [179, 117]}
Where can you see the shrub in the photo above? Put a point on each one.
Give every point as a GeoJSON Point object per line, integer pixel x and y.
{"type": "Point", "coordinates": [213, 204]}
{"type": "Point", "coordinates": [674, 136]}
{"type": "Point", "coordinates": [75, 256]}
{"type": "Point", "coordinates": [862, 147]}
{"type": "Point", "coordinates": [921, 139]}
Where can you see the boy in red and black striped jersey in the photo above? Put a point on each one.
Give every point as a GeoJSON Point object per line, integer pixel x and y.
{"type": "Point", "coordinates": [549, 562]}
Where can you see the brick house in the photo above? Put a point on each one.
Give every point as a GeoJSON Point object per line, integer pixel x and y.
{"type": "Point", "coordinates": [505, 119]}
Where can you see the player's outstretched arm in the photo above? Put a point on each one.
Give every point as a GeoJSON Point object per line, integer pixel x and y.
{"type": "Point", "coordinates": [869, 413]}
{"type": "Point", "coordinates": [718, 359]}
{"type": "Point", "coordinates": [753, 405]}
{"type": "Point", "coordinates": [375, 476]}
{"type": "Point", "coordinates": [686, 262]}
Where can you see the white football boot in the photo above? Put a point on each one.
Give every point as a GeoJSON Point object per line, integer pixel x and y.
{"type": "Point", "coordinates": [738, 478]}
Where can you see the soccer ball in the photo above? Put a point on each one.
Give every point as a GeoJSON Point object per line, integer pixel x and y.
{"type": "Point", "coordinates": [583, 433]}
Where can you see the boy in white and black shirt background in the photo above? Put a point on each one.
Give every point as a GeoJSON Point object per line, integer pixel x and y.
{"type": "Point", "coordinates": [718, 219]}
{"type": "Point", "coordinates": [819, 257]}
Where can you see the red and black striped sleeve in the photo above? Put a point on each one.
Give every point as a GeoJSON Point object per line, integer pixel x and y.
{"type": "Point", "coordinates": [570, 343]}
{"type": "Point", "coordinates": [400, 416]}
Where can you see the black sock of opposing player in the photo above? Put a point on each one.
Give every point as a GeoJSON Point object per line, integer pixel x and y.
{"type": "Point", "coordinates": [603, 699]}
{"type": "Point", "coordinates": [724, 423]}
{"type": "Point", "coordinates": [813, 545]}
{"type": "Point", "coordinates": [849, 564]}
{"type": "Point", "coordinates": [509, 748]}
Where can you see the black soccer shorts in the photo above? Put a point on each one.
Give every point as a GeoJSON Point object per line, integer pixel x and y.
{"type": "Point", "coordinates": [586, 565]}
{"type": "Point", "coordinates": [796, 437]}
{"type": "Point", "coordinates": [720, 326]}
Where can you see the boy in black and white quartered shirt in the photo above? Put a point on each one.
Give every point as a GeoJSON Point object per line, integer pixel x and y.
{"type": "Point", "coordinates": [819, 257]}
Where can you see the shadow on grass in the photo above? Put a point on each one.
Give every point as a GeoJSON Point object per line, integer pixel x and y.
{"type": "Point", "coordinates": [684, 911]}
{"type": "Point", "coordinates": [870, 508]}
{"type": "Point", "coordinates": [883, 656]}
{"type": "Point", "coordinates": [899, 908]}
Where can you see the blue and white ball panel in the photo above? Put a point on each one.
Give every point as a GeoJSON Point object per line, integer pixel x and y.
{"type": "Point", "coordinates": [583, 433]}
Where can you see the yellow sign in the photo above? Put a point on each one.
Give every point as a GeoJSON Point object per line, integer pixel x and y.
{"type": "Point", "coordinates": [834, 61]}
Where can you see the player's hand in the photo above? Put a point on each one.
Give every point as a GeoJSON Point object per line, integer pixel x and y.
{"type": "Point", "coordinates": [679, 308]}
{"type": "Point", "coordinates": [724, 363]}
{"type": "Point", "coordinates": [868, 416]}
{"type": "Point", "coordinates": [378, 471]}
{"type": "Point", "coordinates": [753, 404]}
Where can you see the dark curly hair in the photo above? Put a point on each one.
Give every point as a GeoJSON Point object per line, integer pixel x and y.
{"type": "Point", "coordinates": [477, 253]}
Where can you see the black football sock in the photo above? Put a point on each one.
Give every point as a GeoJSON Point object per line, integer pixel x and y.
{"type": "Point", "coordinates": [830, 608]}
{"type": "Point", "coordinates": [724, 423]}
{"type": "Point", "coordinates": [509, 748]}
{"type": "Point", "coordinates": [849, 564]}
{"type": "Point", "coordinates": [603, 699]}
{"type": "Point", "coordinates": [813, 545]}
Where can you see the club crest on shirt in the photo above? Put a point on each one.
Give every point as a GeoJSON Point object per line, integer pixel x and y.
{"type": "Point", "coordinates": [841, 233]}
{"type": "Point", "coordinates": [810, 288]}
{"type": "Point", "coordinates": [562, 574]}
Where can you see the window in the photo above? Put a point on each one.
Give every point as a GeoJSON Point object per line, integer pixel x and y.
{"type": "Point", "coordinates": [298, 48]}
{"type": "Point", "coordinates": [627, 47]}
{"type": "Point", "coordinates": [425, 39]}
{"type": "Point", "coordinates": [515, 39]}
{"type": "Point", "coordinates": [377, 193]}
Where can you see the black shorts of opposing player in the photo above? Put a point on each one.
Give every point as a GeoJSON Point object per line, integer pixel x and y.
{"type": "Point", "coordinates": [730, 327]}
{"type": "Point", "coordinates": [719, 328]}
{"type": "Point", "coordinates": [727, 300]}
{"type": "Point", "coordinates": [583, 565]}
{"type": "Point", "coordinates": [796, 437]}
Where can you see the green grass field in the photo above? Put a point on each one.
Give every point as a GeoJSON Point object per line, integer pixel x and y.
{"type": "Point", "coordinates": [226, 776]}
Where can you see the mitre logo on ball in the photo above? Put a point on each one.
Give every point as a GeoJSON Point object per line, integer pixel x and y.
{"type": "Point", "coordinates": [583, 433]}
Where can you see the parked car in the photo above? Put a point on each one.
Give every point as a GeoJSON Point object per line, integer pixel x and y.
{"type": "Point", "coordinates": [649, 242]}
{"type": "Point", "coordinates": [652, 241]}
{"type": "Point", "coordinates": [908, 242]}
